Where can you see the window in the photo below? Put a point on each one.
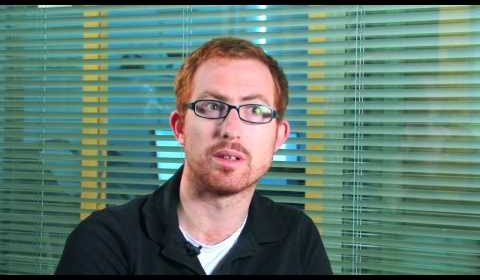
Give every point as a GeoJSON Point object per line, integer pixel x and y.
{"type": "Point", "coordinates": [384, 107]}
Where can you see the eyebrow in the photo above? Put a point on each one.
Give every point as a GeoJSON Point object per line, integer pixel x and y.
{"type": "Point", "coordinates": [220, 97]}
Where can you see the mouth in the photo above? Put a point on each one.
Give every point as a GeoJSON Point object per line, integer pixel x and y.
{"type": "Point", "coordinates": [229, 155]}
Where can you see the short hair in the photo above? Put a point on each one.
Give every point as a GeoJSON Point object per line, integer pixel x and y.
{"type": "Point", "coordinates": [232, 48]}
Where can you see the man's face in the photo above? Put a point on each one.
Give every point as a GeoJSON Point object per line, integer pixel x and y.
{"type": "Point", "coordinates": [226, 156]}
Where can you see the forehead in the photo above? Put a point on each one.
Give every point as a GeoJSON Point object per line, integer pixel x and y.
{"type": "Point", "coordinates": [233, 80]}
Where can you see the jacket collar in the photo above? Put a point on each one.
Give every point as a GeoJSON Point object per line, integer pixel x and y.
{"type": "Point", "coordinates": [264, 223]}
{"type": "Point", "coordinates": [161, 223]}
{"type": "Point", "coordinates": [160, 209]}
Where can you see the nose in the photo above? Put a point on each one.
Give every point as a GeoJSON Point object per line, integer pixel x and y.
{"type": "Point", "coordinates": [231, 125]}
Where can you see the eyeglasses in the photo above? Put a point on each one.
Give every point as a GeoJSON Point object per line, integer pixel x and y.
{"type": "Point", "coordinates": [214, 109]}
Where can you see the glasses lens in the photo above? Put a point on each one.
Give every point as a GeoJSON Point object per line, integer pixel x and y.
{"type": "Point", "coordinates": [210, 109]}
{"type": "Point", "coordinates": [256, 113]}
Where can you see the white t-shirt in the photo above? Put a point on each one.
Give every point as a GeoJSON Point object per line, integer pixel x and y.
{"type": "Point", "coordinates": [211, 255]}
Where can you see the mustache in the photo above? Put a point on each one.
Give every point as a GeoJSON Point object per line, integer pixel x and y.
{"type": "Point", "coordinates": [229, 145]}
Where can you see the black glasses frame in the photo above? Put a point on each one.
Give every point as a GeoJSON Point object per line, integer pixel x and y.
{"type": "Point", "coordinates": [192, 106]}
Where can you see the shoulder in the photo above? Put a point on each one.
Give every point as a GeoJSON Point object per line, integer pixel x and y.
{"type": "Point", "coordinates": [105, 237]}
{"type": "Point", "coordinates": [115, 224]}
{"type": "Point", "coordinates": [125, 214]}
{"type": "Point", "coordinates": [300, 233]}
{"type": "Point", "coordinates": [286, 214]}
{"type": "Point", "coordinates": [275, 221]}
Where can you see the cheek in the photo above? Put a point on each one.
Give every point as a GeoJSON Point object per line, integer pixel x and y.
{"type": "Point", "coordinates": [197, 136]}
{"type": "Point", "coordinates": [262, 144]}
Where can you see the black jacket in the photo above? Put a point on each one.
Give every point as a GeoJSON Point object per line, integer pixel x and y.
{"type": "Point", "coordinates": [142, 237]}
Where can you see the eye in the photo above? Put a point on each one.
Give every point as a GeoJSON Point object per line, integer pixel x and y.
{"type": "Point", "coordinates": [214, 106]}
{"type": "Point", "coordinates": [260, 110]}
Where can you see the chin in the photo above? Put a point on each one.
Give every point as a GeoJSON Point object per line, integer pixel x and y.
{"type": "Point", "coordinates": [228, 183]}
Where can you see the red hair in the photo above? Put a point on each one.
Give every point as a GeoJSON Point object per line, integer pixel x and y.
{"type": "Point", "coordinates": [234, 48]}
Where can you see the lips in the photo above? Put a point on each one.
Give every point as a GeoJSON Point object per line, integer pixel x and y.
{"type": "Point", "coordinates": [228, 154]}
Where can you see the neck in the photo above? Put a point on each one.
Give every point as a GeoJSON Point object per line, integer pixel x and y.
{"type": "Point", "coordinates": [208, 217]}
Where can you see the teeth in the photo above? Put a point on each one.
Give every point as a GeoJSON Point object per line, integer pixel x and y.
{"type": "Point", "coordinates": [230, 157]}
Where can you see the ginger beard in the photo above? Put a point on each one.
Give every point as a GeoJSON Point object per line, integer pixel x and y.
{"type": "Point", "coordinates": [221, 180]}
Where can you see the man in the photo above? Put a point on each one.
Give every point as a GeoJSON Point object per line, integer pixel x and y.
{"type": "Point", "coordinates": [208, 218]}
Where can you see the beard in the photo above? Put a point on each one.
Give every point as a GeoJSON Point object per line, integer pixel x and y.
{"type": "Point", "coordinates": [223, 181]}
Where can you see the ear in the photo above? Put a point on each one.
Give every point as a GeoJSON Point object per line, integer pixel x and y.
{"type": "Point", "coordinates": [283, 130]}
{"type": "Point", "coordinates": [177, 125]}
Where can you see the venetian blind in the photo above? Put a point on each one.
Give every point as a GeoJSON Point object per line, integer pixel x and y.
{"type": "Point", "coordinates": [384, 104]}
